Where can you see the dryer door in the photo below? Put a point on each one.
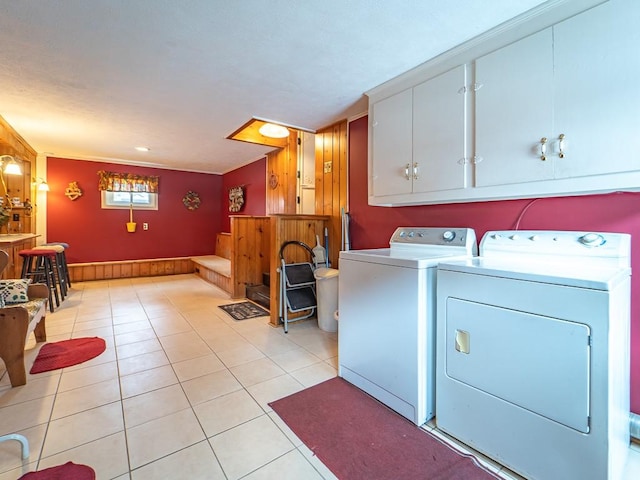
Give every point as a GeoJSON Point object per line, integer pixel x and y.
{"type": "Point", "coordinates": [538, 363]}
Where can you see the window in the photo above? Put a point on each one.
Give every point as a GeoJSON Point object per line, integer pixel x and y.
{"type": "Point", "coordinates": [139, 200]}
{"type": "Point", "coordinates": [126, 190]}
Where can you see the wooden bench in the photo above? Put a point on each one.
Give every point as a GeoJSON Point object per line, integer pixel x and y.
{"type": "Point", "coordinates": [16, 324]}
{"type": "Point", "coordinates": [216, 268]}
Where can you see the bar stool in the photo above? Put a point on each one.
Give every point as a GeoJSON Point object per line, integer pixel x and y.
{"type": "Point", "coordinates": [58, 268]}
{"type": "Point", "coordinates": [63, 260]}
{"type": "Point", "coordinates": [37, 265]}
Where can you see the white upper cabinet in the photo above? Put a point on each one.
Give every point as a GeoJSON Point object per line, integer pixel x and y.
{"type": "Point", "coordinates": [439, 144]}
{"type": "Point", "coordinates": [391, 144]}
{"type": "Point", "coordinates": [597, 90]}
{"type": "Point", "coordinates": [514, 105]}
{"type": "Point", "coordinates": [418, 137]}
{"type": "Point", "coordinates": [549, 106]}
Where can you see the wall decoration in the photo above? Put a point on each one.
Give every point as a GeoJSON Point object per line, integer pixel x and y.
{"type": "Point", "coordinates": [273, 181]}
{"type": "Point", "coordinates": [236, 199]}
{"type": "Point", "coordinates": [191, 200]}
{"type": "Point", "coordinates": [73, 191]}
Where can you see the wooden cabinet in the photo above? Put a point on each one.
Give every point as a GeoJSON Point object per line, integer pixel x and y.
{"type": "Point", "coordinates": [551, 108]}
{"type": "Point", "coordinates": [12, 244]}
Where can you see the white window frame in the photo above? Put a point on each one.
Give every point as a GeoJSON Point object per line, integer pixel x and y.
{"type": "Point", "coordinates": [139, 200]}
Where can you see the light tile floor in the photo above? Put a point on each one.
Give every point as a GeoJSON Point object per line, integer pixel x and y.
{"type": "Point", "coordinates": [181, 392]}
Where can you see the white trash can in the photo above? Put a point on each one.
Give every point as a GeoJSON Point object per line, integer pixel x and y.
{"type": "Point", "coordinates": [327, 292]}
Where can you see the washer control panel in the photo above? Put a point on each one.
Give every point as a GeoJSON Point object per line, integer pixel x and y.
{"type": "Point", "coordinates": [461, 237]}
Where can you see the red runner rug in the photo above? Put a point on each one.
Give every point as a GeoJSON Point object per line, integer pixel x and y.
{"type": "Point", "coordinates": [53, 356]}
{"type": "Point", "coordinates": [359, 438]}
{"type": "Point", "coordinates": [68, 471]}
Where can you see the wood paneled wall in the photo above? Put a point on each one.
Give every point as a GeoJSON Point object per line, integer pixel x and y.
{"type": "Point", "coordinates": [83, 272]}
{"type": "Point", "coordinates": [282, 167]}
{"type": "Point", "coordinates": [251, 252]}
{"type": "Point", "coordinates": [223, 245]}
{"type": "Point", "coordinates": [331, 182]}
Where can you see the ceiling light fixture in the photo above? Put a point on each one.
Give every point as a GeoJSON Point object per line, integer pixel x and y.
{"type": "Point", "coordinates": [143, 149]}
{"type": "Point", "coordinates": [272, 130]}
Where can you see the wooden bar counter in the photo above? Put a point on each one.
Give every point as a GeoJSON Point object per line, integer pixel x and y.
{"type": "Point", "coordinates": [12, 244]}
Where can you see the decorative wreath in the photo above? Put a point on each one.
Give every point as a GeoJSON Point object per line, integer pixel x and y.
{"type": "Point", "coordinates": [191, 200]}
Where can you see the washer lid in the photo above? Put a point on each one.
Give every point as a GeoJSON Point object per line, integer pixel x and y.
{"type": "Point", "coordinates": [406, 258]}
{"type": "Point", "coordinates": [581, 274]}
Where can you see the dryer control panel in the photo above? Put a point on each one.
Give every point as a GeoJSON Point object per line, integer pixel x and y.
{"type": "Point", "coordinates": [554, 243]}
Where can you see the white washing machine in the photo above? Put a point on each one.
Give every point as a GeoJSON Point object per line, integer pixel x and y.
{"type": "Point", "coordinates": [386, 300]}
{"type": "Point", "coordinates": [533, 352]}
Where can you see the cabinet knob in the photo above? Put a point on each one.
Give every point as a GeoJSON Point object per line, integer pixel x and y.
{"type": "Point", "coordinates": [415, 171]}
{"type": "Point", "coordinates": [406, 172]}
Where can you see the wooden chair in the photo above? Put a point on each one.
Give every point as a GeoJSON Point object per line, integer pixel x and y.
{"type": "Point", "coordinates": [17, 321]}
{"type": "Point", "coordinates": [4, 260]}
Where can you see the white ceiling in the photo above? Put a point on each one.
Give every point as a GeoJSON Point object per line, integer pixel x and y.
{"type": "Point", "coordinates": [92, 79]}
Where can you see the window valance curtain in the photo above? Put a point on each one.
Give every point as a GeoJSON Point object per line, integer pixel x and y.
{"type": "Point", "coordinates": [127, 182]}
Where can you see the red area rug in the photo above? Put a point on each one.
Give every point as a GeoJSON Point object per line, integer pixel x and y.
{"type": "Point", "coordinates": [359, 438]}
{"type": "Point", "coordinates": [68, 471]}
{"type": "Point", "coordinates": [53, 356]}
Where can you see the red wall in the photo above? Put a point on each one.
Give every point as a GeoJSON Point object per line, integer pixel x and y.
{"type": "Point", "coordinates": [253, 178]}
{"type": "Point", "coordinates": [371, 227]}
{"type": "Point", "coordinates": [98, 235]}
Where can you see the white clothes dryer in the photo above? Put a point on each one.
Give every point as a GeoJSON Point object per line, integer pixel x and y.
{"type": "Point", "coordinates": [533, 352]}
{"type": "Point", "coordinates": [386, 302]}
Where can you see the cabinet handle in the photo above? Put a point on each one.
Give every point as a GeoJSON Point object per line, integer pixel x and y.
{"type": "Point", "coordinates": [477, 159]}
{"type": "Point", "coordinates": [543, 148]}
{"type": "Point", "coordinates": [561, 145]}
{"type": "Point", "coordinates": [415, 171]}
{"type": "Point", "coordinates": [406, 172]}
{"type": "Point", "coordinates": [477, 86]}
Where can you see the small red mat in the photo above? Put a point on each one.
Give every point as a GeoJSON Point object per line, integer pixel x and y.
{"type": "Point", "coordinates": [68, 471]}
{"type": "Point", "coordinates": [53, 356]}
{"type": "Point", "coordinates": [359, 438]}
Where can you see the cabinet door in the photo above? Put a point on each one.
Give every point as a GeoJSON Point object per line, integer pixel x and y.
{"type": "Point", "coordinates": [438, 132]}
{"type": "Point", "coordinates": [514, 111]}
{"type": "Point", "coordinates": [392, 144]}
{"type": "Point", "coordinates": [597, 96]}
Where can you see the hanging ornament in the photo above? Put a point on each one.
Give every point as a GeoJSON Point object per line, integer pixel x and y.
{"type": "Point", "coordinates": [236, 199]}
{"type": "Point", "coordinates": [73, 191]}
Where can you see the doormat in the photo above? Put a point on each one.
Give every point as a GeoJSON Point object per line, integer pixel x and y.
{"type": "Point", "coordinates": [65, 353]}
{"type": "Point", "coordinates": [359, 438]}
{"type": "Point", "coordinates": [244, 310]}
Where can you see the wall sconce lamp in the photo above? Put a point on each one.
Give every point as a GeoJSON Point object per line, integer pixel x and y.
{"type": "Point", "coordinates": [9, 165]}
{"type": "Point", "coordinates": [40, 184]}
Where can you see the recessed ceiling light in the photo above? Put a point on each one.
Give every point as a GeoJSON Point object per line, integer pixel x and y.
{"type": "Point", "coordinates": [272, 130]}
{"type": "Point", "coordinates": [143, 149]}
